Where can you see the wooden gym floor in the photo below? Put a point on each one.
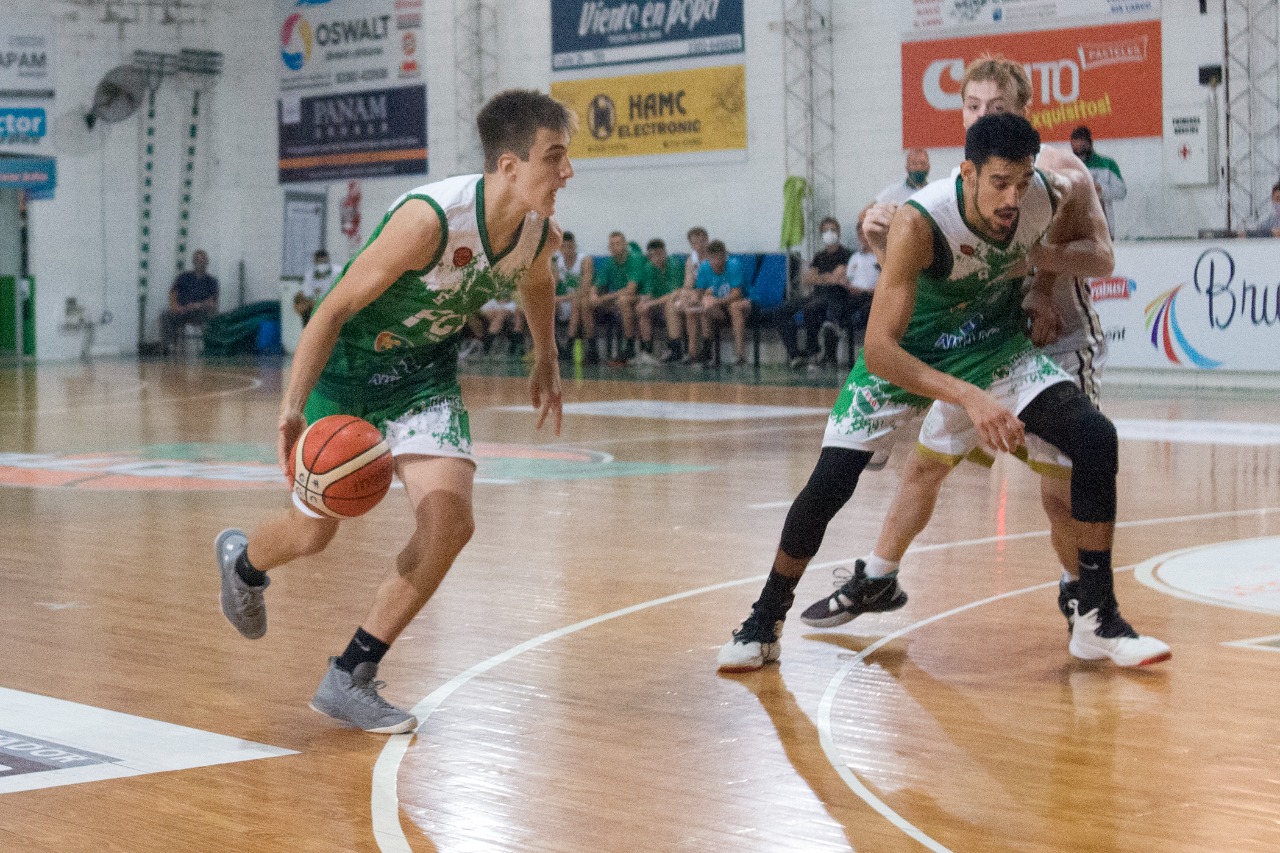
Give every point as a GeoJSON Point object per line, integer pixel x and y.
{"type": "Point", "coordinates": [565, 672]}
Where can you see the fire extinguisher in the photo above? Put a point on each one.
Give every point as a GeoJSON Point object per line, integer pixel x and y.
{"type": "Point", "coordinates": [350, 214]}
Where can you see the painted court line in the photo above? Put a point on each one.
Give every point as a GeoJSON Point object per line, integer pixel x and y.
{"type": "Point", "coordinates": [47, 742]}
{"type": "Point", "coordinates": [385, 803]}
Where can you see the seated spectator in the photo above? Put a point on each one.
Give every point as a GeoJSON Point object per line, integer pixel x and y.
{"type": "Point", "coordinates": [823, 303]}
{"type": "Point", "coordinates": [1269, 225]}
{"type": "Point", "coordinates": [617, 284]}
{"type": "Point", "coordinates": [721, 287]}
{"type": "Point", "coordinates": [472, 338]}
{"type": "Point", "coordinates": [503, 315]}
{"type": "Point", "coordinates": [660, 285]}
{"type": "Point", "coordinates": [571, 270]}
{"type": "Point", "coordinates": [698, 242]}
{"type": "Point", "coordinates": [863, 272]}
{"type": "Point", "coordinates": [193, 298]}
{"type": "Point", "coordinates": [316, 282]}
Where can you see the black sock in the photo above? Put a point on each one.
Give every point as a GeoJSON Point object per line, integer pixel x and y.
{"type": "Point", "coordinates": [247, 572]}
{"type": "Point", "coordinates": [1096, 588]}
{"type": "Point", "coordinates": [363, 648]}
{"type": "Point", "coordinates": [776, 597]}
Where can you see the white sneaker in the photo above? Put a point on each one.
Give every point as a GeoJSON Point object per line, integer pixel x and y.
{"type": "Point", "coordinates": [1124, 646]}
{"type": "Point", "coordinates": [645, 359]}
{"type": "Point", "coordinates": [753, 645]}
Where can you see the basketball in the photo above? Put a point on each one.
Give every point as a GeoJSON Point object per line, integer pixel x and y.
{"type": "Point", "coordinates": [341, 466]}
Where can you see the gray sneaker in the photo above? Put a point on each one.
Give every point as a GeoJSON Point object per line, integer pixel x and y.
{"type": "Point", "coordinates": [241, 604]}
{"type": "Point", "coordinates": [352, 697]}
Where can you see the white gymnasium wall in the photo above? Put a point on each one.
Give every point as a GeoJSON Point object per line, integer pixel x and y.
{"type": "Point", "coordinates": [85, 242]}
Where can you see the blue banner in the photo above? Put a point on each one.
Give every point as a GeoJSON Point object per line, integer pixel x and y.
{"type": "Point", "coordinates": [591, 33]}
{"type": "Point", "coordinates": [37, 175]}
{"type": "Point", "coordinates": [373, 133]}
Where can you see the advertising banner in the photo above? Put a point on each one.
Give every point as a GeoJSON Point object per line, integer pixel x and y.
{"type": "Point", "coordinates": [592, 33]}
{"type": "Point", "coordinates": [934, 18]}
{"type": "Point", "coordinates": [1192, 305]}
{"type": "Point", "coordinates": [1107, 77]}
{"type": "Point", "coordinates": [692, 111]}
{"type": "Point", "coordinates": [348, 73]}
{"type": "Point", "coordinates": [355, 135]}
{"type": "Point", "coordinates": [27, 60]}
{"type": "Point", "coordinates": [37, 175]}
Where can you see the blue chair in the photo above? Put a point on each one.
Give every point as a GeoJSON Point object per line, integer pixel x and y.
{"type": "Point", "coordinates": [768, 292]}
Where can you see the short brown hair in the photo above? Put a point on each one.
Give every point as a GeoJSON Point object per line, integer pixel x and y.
{"type": "Point", "coordinates": [1005, 73]}
{"type": "Point", "coordinates": [696, 231]}
{"type": "Point", "coordinates": [510, 121]}
{"type": "Point", "coordinates": [716, 247]}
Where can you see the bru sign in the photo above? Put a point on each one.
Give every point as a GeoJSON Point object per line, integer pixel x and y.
{"type": "Point", "coordinates": [1108, 77]}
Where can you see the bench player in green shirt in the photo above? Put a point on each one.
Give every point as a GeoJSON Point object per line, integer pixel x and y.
{"type": "Point", "coordinates": [383, 345]}
{"type": "Point", "coordinates": [615, 289]}
{"type": "Point", "coordinates": [659, 285]}
{"type": "Point", "coordinates": [947, 324]}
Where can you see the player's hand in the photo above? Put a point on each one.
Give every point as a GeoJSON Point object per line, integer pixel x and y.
{"type": "Point", "coordinates": [1046, 325]}
{"type": "Point", "coordinates": [544, 391]}
{"type": "Point", "coordinates": [288, 431]}
{"type": "Point", "coordinates": [998, 428]}
{"type": "Point", "coordinates": [875, 225]}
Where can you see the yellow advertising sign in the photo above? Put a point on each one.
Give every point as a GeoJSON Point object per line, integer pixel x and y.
{"type": "Point", "coordinates": [672, 112]}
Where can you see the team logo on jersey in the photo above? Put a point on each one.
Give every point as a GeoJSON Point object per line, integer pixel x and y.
{"type": "Point", "coordinates": [462, 256]}
{"type": "Point", "coordinates": [388, 341]}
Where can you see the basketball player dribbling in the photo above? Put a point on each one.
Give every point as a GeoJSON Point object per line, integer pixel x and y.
{"type": "Point", "coordinates": [383, 345]}
{"type": "Point", "coordinates": [947, 325]}
{"type": "Point", "coordinates": [1063, 323]}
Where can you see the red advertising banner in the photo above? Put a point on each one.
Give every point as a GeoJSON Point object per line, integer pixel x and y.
{"type": "Point", "coordinates": [1107, 77]}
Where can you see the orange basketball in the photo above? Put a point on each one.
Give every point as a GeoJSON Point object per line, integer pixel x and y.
{"type": "Point", "coordinates": [341, 466]}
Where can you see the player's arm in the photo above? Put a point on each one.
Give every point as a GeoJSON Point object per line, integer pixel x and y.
{"type": "Point", "coordinates": [909, 252]}
{"type": "Point", "coordinates": [408, 242]}
{"type": "Point", "coordinates": [1078, 242]}
{"type": "Point", "coordinates": [538, 295]}
{"type": "Point", "coordinates": [875, 227]}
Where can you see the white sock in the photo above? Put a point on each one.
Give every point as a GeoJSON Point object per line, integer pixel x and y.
{"type": "Point", "coordinates": [878, 567]}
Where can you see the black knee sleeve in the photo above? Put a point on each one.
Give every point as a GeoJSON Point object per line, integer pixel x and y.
{"type": "Point", "coordinates": [1063, 416]}
{"type": "Point", "coordinates": [829, 488]}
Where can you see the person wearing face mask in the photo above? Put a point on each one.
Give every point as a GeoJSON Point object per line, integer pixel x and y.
{"type": "Point", "coordinates": [825, 299]}
{"type": "Point", "coordinates": [917, 177]}
{"type": "Point", "coordinates": [1106, 173]}
{"type": "Point", "coordinates": [316, 282]}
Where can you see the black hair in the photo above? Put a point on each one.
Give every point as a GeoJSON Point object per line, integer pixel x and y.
{"type": "Point", "coordinates": [656, 243]}
{"type": "Point", "coordinates": [717, 247]}
{"type": "Point", "coordinates": [829, 220]}
{"type": "Point", "coordinates": [510, 121]}
{"type": "Point", "coordinates": [568, 235]}
{"type": "Point", "coordinates": [1082, 132]}
{"type": "Point", "coordinates": [1004, 135]}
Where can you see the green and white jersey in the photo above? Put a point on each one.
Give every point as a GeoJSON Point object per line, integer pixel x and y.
{"type": "Point", "coordinates": [568, 276]}
{"type": "Point", "coordinates": [402, 348]}
{"type": "Point", "coordinates": [968, 306]}
{"type": "Point", "coordinates": [968, 320]}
